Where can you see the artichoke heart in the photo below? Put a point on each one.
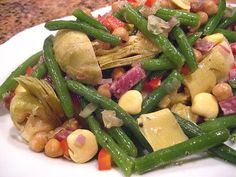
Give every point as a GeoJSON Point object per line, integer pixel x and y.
{"type": "Point", "coordinates": [136, 49]}
{"type": "Point", "coordinates": [75, 55]}
{"type": "Point", "coordinates": [37, 109]}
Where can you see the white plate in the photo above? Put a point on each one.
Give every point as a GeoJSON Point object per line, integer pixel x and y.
{"type": "Point", "coordinates": [17, 160]}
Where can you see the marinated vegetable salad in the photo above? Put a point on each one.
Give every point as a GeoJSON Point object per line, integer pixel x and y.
{"type": "Point", "coordinates": [146, 84]}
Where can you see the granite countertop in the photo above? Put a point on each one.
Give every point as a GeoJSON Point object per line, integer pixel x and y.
{"type": "Point", "coordinates": [16, 15]}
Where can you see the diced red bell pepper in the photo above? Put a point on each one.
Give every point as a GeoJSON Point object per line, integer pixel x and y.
{"type": "Point", "coordinates": [104, 160]}
{"type": "Point", "coordinates": [185, 70]}
{"type": "Point", "coordinates": [149, 3]}
{"type": "Point", "coordinates": [65, 148]}
{"type": "Point", "coordinates": [110, 21]}
{"type": "Point", "coordinates": [151, 85]}
{"type": "Point", "coordinates": [29, 71]}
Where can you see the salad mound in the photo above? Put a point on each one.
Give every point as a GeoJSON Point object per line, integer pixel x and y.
{"type": "Point", "coordinates": [141, 86]}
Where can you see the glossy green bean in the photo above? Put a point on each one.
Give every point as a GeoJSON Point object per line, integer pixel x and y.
{"type": "Point", "coordinates": [220, 122]}
{"type": "Point", "coordinates": [185, 18]}
{"type": "Point", "coordinates": [172, 82]}
{"type": "Point", "coordinates": [40, 71]}
{"type": "Point", "coordinates": [82, 16]}
{"type": "Point", "coordinates": [228, 21]}
{"type": "Point", "coordinates": [192, 130]}
{"type": "Point", "coordinates": [123, 141]}
{"type": "Point", "coordinates": [85, 28]}
{"type": "Point", "coordinates": [170, 154]}
{"type": "Point", "coordinates": [230, 35]}
{"type": "Point", "coordinates": [10, 83]}
{"type": "Point", "coordinates": [57, 78]}
{"type": "Point", "coordinates": [185, 48]}
{"type": "Point", "coordinates": [215, 20]}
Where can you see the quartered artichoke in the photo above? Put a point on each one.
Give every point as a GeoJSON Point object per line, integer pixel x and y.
{"type": "Point", "coordinates": [78, 59]}
{"type": "Point", "coordinates": [75, 55]}
{"type": "Point", "coordinates": [136, 49]}
{"type": "Point", "coordinates": [36, 108]}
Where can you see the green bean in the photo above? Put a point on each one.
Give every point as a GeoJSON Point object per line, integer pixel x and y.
{"type": "Point", "coordinates": [185, 18]}
{"type": "Point", "coordinates": [10, 83]}
{"type": "Point", "coordinates": [228, 21]}
{"type": "Point", "coordinates": [106, 103]}
{"type": "Point", "coordinates": [123, 140]}
{"type": "Point", "coordinates": [230, 35]}
{"type": "Point", "coordinates": [194, 37]}
{"type": "Point", "coordinates": [220, 122]}
{"type": "Point", "coordinates": [40, 71]}
{"type": "Point", "coordinates": [118, 15]}
{"type": "Point", "coordinates": [162, 63]}
{"type": "Point", "coordinates": [57, 78]}
{"type": "Point", "coordinates": [85, 28]}
{"type": "Point", "coordinates": [172, 82]}
{"type": "Point", "coordinates": [222, 151]}
{"type": "Point", "coordinates": [156, 64]}
{"type": "Point", "coordinates": [122, 160]}
{"type": "Point", "coordinates": [215, 20]}
{"type": "Point", "coordinates": [139, 86]}
{"type": "Point", "coordinates": [185, 48]}
{"type": "Point", "coordinates": [188, 147]}
{"type": "Point", "coordinates": [172, 54]}
{"type": "Point", "coordinates": [82, 16]}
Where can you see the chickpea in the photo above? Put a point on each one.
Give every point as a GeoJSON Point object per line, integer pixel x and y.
{"type": "Point", "coordinates": [196, 5]}
{"type": "Point", "coordinates": [210, 7]}
{"type": "Point", "coordinates": [116, 6]}
{"type": "Point", "coordinates": [198, 55]}
{"type": "Point", "coordinates": [53, 148]}
{"type": "Point", "coordinates": [102, 45]}
{"type": "Point", "coordinates": [71, 124]}
{"type": "Point", "coordinates": [38, 142]}
{"type": "Point", "coordinates": [222, 91]}
{"type": "Point", "coordinates": [122, 33]}
{"type": "Point", "coordinates": [167, 4]}
{"type": "Point", "coordinates": [203, 17]}
{"type": "Point", "coordinates": [117, 73]}
{"type": "Point", "coordinates": [104, 90]}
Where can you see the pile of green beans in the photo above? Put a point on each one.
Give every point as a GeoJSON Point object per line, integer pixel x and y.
{"type": "Point", "coordinates": [192, 130]}
{"type": "Point", "coordinates": [132, 16]}
{"type": "Point", "coordinates": [57, 78]}
{"type": "Point", "coordinates": [123, 141]}
{"type": "Point", "coordinates": [10, 83]}
{"type": "Point", "coordinates": [169, 84]}
{"type": "Point", "coordinates": [185, 18]}
{"type": "Point", "coordinates": [122, 160]}
{"type": "Point", "coordinates": [93, 96]}
{"type": "Point", "coordinates": [162, 63]}
{"type": "Point", "coordinates": [170, 154]}
{"type": "Point", "coordinates": [85, 28]}
{"type": "Point", "coordinates": [185, 48]}
{"type": "Point", "coordinates": [215, 20]}
{"type": "Point", "coordinates": [82, 16]}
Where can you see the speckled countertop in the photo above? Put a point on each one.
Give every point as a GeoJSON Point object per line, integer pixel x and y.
{"type": "Point", "coordinates": [17, 15]}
